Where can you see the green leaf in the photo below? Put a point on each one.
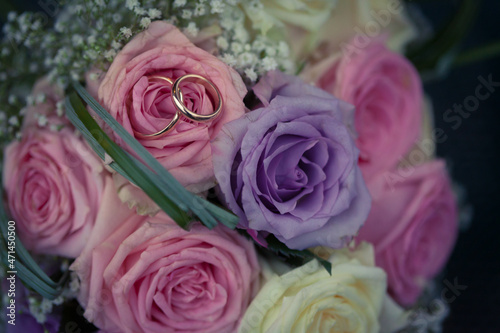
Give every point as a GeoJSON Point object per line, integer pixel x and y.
{"type": "Point", "coordinates": [27, 269]}
{"type": "Point", "coordinates": [74, 107]}
{"type": "Point", "coordinates": [207, 212]}
{"type": "Point", "coordinates": [436, 55]}
{"type": "Point", "coordinates": [275, 245]}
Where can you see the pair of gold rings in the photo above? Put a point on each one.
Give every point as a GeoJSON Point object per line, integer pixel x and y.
{"type": "Point", "coordinates": [182, 110]}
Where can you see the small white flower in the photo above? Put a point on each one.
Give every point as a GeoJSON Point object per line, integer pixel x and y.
{"type": "Point", "coordinates": [74, 284]}
{"type": "Point", "coordinates": [3, 76]}
{"type": "Point", "coordinates": [117, 17]}
{"type": "Point", "coordinates": [236, 48]}
{"type": "Point", "coordinates": [270, 51]}
{"type": "Point", "coordinates": [100, 3]}
{"type": "Point", "coordinates": [283, 49]}
{"type": "Point", "coordinates": [217, 6]}
{"type": "Point", "coordinates": [139, 11]}
{"type": "Point", "coordinates": [30, 100]}
{"type": "Point", "coordinates": [91, 54]}
{"type": "Point", "coordinates": [14, 121]}
{"type": "Point", "coordinates": [58, 301]}
{"type": "Point", "coordinates": [145, 22]}
{"type": "Point", "coordinates": [46, 306]}
{"type": "Point", "coordinates": [191, 29]}
{"type": "Point", "coordinates": [12, 99]}
{"type": "Point", "coordinates": [199, 10]}
{"type": "Point", "coordinates": [179, 3]}
{"type": "Point", "coordinates": [116, 45]}
{"type": "Point", "coordinates": [40, 98]}
{"type": "Point", "coordinates": [11, 17]}
{"type": "Point", "coordinates": [60, 108]}
{"type": "Point", "coordinates": [131, 4]}
{"type": "Point", "coordinates": [3, 116]}
{"type": "Point", "coordinates": [250, 74]}
{"type": "Point", "coordinates": [126, 32]}
{"type": "Point", "coordinates": [42, 120]}
{"type": "Point", "coordinates": [93, 76]}
{"type": "Point", "coordinates": [75, 76]}
{"type": "Point", "coordinates": [269, 64]}
{"type": "Point", "coordinates": [246, 59]}
{"type": "Point", "coordinates": [154, 13]}
{"type": "Point", "coordinates": [229, 59]}
{"type": "Point", "coordinates": [186, 14]}
{"type": "Point", "coordinates": [222, 43]}
{"type": "Point", "coordinates": [91, 40]}
{"type": "Point", "coordinates": [110, 54]}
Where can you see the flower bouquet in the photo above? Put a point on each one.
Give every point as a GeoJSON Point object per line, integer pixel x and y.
{"type": "Point", "coordinates": [219, 166]}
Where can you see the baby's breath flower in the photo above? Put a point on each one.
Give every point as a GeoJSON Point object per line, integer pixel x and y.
{"type": "Point", "coordinates": [186, 14]}
{"type": "Point", "coordinates": [192, 29]}
{"type": "Point", "coordinates": [139, 11]}
{"type": "Point", "coordinates": [60, 108]}
{"type": "Point", "coordinates": [179, 3]}
{"type": "Point", "coordinates": [145, 22]}
{"type": "Point", "coordinates": [12, 16]}
{"type": "Point", "coordinates": [222, 43]}
{"type": "Point", "coordinates": [117, 17]}
{"type": "Point", "coordinates": [217, 6]}
{"type": "Point", "coordinates": [199, 10]}
{"type": "Point", "coordinates": [251, 75]}
{"type": "Point", "coordinates": [126, 32]}
{"type": "Point", "coordinates": [42, 120]}
{"type": "Point", "coordinates": [12, 99]}
{"type": "Point", "coordinates": [229, 59]}
{"type": "Point", "coordinates": [110, 54]}
{"type": "Point", "coordinates": [131, 4]}
{"type": "Point", "coordinates": [154, 13]}
{"type": "Point", "coordinates": [14, 121]}
{"type": "Point", "coordinates": [116, 45]}
{"type": "Point", "coordinates": [269, 64]}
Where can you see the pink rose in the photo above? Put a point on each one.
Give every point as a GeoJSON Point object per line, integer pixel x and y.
{"type": "Point", "coordinates": [149, 275]}
{"type": "Point", "coordinates": [413, 227]}
{"type": "Point", "coordinates": [144, 105]}
{"type": "Point", "coordinates": [54, 184]}
{"type": "Point", "coordinates": [387, 93]}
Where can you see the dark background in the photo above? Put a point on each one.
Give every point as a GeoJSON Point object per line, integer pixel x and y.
{"type": "Point", "coordinates": [472, 154]}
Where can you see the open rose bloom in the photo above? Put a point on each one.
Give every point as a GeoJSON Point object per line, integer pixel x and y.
{"type": "Point", "coordinates": [296, 209]}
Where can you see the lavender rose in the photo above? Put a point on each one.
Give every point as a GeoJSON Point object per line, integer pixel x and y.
{"type": "Point", "coordinates": [289, 167]}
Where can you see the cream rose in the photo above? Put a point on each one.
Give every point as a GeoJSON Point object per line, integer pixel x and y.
{"type": "Point", "coordinates": [319, 27]}
{"type": "Point", "coordinates": [308, 299]}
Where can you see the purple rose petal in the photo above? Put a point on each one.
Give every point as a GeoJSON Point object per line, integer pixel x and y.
{"type": "Point", "coordinates": [289, 167]}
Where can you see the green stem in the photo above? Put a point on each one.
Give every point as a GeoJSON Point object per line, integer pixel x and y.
{"type": "Point", "coordinates": [477, 54]}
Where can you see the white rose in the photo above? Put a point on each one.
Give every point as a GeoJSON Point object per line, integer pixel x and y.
{"type": "Point", "coordinates": [308, 299]}
{"type": "Point", "coordinates": [367, 19]}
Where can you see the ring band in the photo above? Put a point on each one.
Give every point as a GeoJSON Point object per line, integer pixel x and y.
{"type": "Point", "coordinates": [179, 103]}
{"type": "Point", "coordinates": [170, 125]}
{"type": "Point", "coordinates": [178, 100]}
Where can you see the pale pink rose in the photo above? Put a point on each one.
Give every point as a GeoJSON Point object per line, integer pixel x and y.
{"type": "Point", "coordinates": [412, 225]}
{"type": "Point", "coordinates": [387, 93]}
{"type": "Point", "coordinates": [144, 105]}
{"type": "Point", "coordinates": [54, 184]}
{"type": "Point", "coordinates": [149, 275]}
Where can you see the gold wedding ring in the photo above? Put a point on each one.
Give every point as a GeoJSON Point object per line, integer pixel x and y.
{"type": "Point", "coordinates": [178, 100]}
{"type": "Point", "coordinates": [170, 125]}
{"type": "Point", "coordinates": [211, 88]}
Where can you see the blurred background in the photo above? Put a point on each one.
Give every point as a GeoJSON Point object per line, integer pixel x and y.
{"type": "Point", "coordinates": [468, 39]}
{"type": "Point", "coordinates": [472, 152]}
